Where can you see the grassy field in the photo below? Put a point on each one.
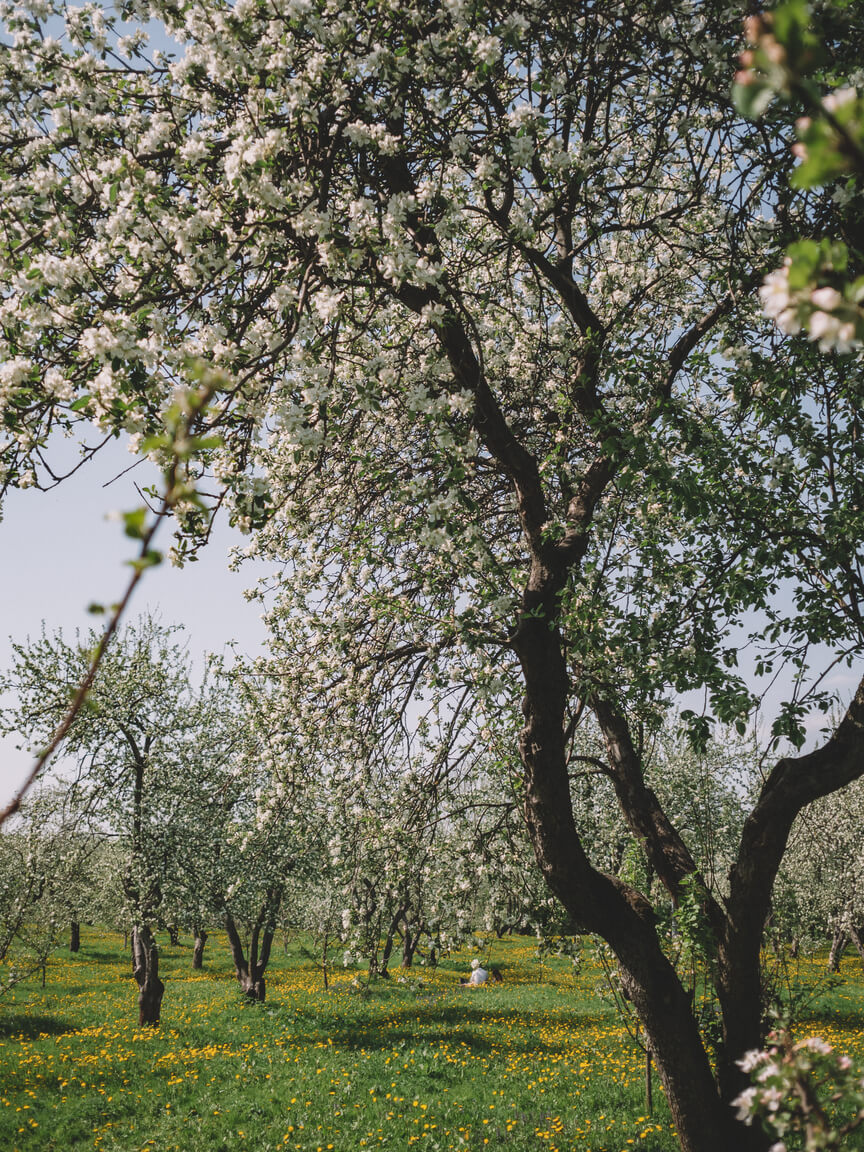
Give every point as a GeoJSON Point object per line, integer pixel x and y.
{"type": "Point", "coordinates": [538, 1062]}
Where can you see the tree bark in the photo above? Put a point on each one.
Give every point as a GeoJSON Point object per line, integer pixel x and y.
{"type": "Point", "coordinates": [857, 934]}
{"type": "Point", "coordinates": [250, 973]}
{"type": "Point", "coordinates": [145, 951]}
{"type": "Point", "coordinates": [409, 943]}
{"type": "Point", "coordinates": [605, 905]}
{"type": "Point", "coordinates": [838, 947]}
{"type": "Point", "coordinates": [387, 950]}
{"type": "Point", "coordinates": [198, 946]}
{"type": "Point", "coordinates": [145, 961]}
{"type": "Point", "coordinates": [74, 936]}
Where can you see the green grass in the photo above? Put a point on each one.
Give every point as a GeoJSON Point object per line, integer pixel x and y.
{"type": "Point", "coordinates": [539, 1062]}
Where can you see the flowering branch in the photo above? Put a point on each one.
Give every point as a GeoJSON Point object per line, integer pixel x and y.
{"type": "Point", "coordinates": [811, 292]}
{"type": "Point", "coordinates": [798, 1088]}
{"type": "Point", "coordinates": [180, 441]}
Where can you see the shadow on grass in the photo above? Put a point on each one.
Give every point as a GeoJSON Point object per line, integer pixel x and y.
{"type": "Point", "coordinates": [24, 1027]}
{"type": "Point", "coordinates": [90, 953]}
{"type": "Point", "coordinates": [409, 1026]}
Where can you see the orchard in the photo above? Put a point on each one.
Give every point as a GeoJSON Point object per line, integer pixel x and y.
{"type": "Point", "coordinates": [524, 342]}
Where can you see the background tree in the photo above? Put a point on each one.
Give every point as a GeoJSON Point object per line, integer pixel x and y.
{"type": "Point", "coordinates": [821, 883]}
{"type": "Point", "coordinates": [125, 750]}
{"type": "Point", "coordinates": [43, 858]}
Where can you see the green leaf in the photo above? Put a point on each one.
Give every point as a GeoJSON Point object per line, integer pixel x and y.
{"type": "Point", "coordinates": [133, 523]}
{"type": "Point", "coordinates": [201, 443]}
{"type": "Point", "coordinates": [752, 100]}
{"type": "Point", "coordinates": [824, 163]}
{"type": "Point", "coordinates": [150, 559]}
{"type": "Point", "coordinates": [149, 443]}
{"type": "Point", "coordinates": [791, 26]}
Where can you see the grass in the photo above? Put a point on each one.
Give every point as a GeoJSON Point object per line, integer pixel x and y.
{"type": "Point", "coordinates": [539, 1062]}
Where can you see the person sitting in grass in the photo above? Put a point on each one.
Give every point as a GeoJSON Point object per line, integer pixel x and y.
{"type": "Point", "coordinates": [479, 975]}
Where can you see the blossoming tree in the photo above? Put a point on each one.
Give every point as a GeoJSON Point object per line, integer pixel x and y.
{"type": "Point", "coordinates": [468, 270]}
{"type": "Point", "coordinates": [126, 752]}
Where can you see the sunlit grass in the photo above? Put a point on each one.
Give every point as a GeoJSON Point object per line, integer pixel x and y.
{"type": "Point", "coordinates": [538, 1062]}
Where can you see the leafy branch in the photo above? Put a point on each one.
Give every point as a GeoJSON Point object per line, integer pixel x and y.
{"type": "Point", "coordinates": [180, 441]}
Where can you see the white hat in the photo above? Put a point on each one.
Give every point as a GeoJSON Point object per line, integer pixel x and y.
{"type": "Point", "coordinates": [475, 963]}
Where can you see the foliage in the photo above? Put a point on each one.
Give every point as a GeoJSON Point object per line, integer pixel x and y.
{"type": "Point", "coordinates": [817, 288]}
{"type": "Point", "coordinates": [496, 399]}
{"type": "Point", "coordinates": [804, 1093]}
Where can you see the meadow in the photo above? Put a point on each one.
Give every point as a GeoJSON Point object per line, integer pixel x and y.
{"type": "Point", "coordinates": [539, 1061]}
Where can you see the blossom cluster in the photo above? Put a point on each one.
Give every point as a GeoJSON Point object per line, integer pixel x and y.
{"type": "Point", "coordinates": [824, 314]}
{"type": "Point", "coordinates": [802, 1089]}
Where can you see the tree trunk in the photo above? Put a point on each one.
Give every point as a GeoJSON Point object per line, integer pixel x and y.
{"type": "Point", "coordinates": [145, 961]}
{"type": "Point", "coordinates": [250, 973]}
{"type": "Point", "coordinates": [198, 946]}
{"type": "Point", "coordinates": [252, 983]}
{"type": "Point", "coordinates": [409, 944]}
{"type": "Point", "coordinates": [388, 944]}
{"type": "Point", "coordinates": [173, 935]}
{"type": "Point", "coordinates": [857, 934]}
{"type": "Point", "coordinates": [74, 936]}
{"type": "Point", "coordinates": [703, 1121]}
{"type": "Point", "coordinates": [603, 904]}
{"type": "Point", "coordinates": [838, 946]}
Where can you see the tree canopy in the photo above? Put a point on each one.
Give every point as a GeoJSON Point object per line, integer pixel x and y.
{"type": "Point", "coordinates": [494, 389]}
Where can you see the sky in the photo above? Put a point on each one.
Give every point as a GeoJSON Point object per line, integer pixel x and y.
{"type": "Point", "coordinates": [61, 552]}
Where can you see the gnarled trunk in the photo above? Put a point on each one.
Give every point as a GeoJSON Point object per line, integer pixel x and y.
{"type": "Point", "coordinates": [250, 973]}
{"type": "Point", "coordinates": [145, 969]}
{"type": "Point", "coordinates": [838, 946]}
{"type": "Point", "coordinates": [409, 943]}
{"type": "Point", "coordinates": [200, 939]}
{"type": "Point", "coordinates": [198, 946]}
{"type": "Point", "coordinates": [602, 904]}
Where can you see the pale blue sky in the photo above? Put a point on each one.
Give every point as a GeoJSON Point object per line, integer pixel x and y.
{"type": "Point", "coordinates": [61, 553]}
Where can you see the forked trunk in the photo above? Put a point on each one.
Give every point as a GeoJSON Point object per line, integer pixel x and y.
{"type": "Point", "coordinates": [145, 969]}
{"type": "Point", "coordinates": [603, 905]}
{"type": "Point", "coordinates": [198, 947]}
{"type": "Point", "coordinates": [250, 972]}
{"type": "Point", "coordinates": [409, 944]}
{"type": "Point", "coordinates": [704, 1122]}
{"type": "Point", "coordinates": [838, 946]}
{"type": "Point", "coordinates": [387, 950]}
